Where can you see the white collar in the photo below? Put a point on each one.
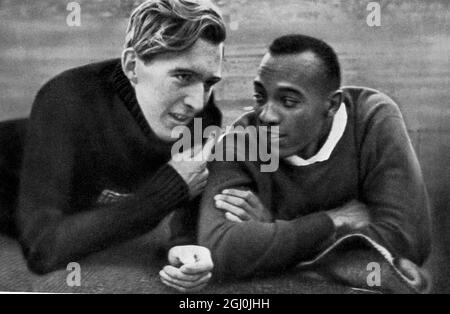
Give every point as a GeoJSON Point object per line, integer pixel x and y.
{"type": "Point", "coordinates": [336, 133]}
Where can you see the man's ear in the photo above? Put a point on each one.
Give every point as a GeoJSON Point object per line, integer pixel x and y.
{"type": "Point", "coordinates": [129, 63]}
{"type": "Point", "coordinates": [334, 102]}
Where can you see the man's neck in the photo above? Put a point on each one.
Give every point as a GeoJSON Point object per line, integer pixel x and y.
{"type": "Point", "coordinates": [314, 147]}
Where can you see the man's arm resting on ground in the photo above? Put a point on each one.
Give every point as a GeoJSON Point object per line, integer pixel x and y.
{"type": "Point", "coordinates": [247, 248]}
{"type": "Point", "coordinates": [394, 191]}
{"type": "Point", "coordinates": [393, 207]}
{"type": "Point", "coordinates": [51, 233]}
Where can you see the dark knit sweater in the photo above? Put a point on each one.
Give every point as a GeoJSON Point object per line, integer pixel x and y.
{"type": "Point", "coordinates": [374, 163]}
{"type": "Point", "coordinates": [87, 136]}
{"type": "Point", "coordinates": [12, 135]}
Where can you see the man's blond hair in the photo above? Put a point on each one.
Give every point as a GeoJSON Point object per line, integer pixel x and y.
{"type": "Point", "coordinates": [160, 26]}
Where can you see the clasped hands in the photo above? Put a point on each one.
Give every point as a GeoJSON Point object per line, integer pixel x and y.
{"type": "Point", "coordinates": [189, 270]}
{"type": "Point", "coordinates": [244, 205]}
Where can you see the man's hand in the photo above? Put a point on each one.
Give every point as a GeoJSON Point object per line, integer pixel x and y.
{"type": "Point", "coordinates": [353, 216]}
{"type": "Point", "coordinates": [191, 165]}
{"type": "Point", "coordinates": [189, 270]}
{"type": "Point", "coordinates": [241, 206]}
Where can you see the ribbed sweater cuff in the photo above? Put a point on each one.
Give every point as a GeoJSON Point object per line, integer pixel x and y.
{"type": "Point", "coordinates": [169, 187]}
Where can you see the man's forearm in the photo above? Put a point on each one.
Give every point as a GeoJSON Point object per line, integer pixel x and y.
{"type": "Point", "coordinates": [65, 238]}
{"type": "Point", "coordinates": [248, 248]}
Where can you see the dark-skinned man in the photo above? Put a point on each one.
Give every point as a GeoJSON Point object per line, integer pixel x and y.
{"type": "Point", "coordinates": [346, 166]}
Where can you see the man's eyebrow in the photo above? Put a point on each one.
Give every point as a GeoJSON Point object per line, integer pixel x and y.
{"type": "Point", "coordinates": [185, 70]}
{"type": "Point", "coordinates": [213, 78]}
{"type": "Point", "coordinates": [287, 89]}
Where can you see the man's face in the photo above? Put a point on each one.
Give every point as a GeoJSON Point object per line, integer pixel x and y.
{"type": "Point", "coordinates": [288, 94]}
{"type": "Point", "coordinates": [174, 87]}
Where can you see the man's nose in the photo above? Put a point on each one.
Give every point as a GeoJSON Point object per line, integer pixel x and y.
{"type": "Point", "coordinates": [269, 115]}
{"type": "Point", "coordinates": [195, 98]}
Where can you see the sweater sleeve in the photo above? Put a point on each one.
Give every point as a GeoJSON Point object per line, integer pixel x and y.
{"type": "Point", "coordinates": [52, 235]}
{"type": "Point", "coordinates": [248, 248]}
{"type": "Point", "coordinates": [392, 185]}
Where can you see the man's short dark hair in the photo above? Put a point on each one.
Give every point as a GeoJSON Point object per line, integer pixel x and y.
{"type": "Point", "coordinates": [297, 44]}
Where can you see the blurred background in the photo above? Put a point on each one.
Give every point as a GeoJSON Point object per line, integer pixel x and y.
{"type": "Point", "coordinates": [407, 57]}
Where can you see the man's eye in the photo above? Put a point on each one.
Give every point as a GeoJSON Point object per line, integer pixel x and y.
{"type": "Point", "coordinates": [259, 99]}
{"type": "Point", "coordinates": [290, 102]}
{"type": "Point", "coordinates": [184, 78]}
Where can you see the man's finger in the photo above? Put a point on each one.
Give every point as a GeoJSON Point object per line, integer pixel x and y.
{"type": "Point", "coordinates": [183, 290]}
{"type": "Point", "coordinates": [254, 200]}
{"type": "Point", "coordinates": [248, 195]}
{"type": "Point", "coordinates": [205, 174]}
{"type": "Point", "coordinates": [201, 186]}
{"type": "Point", "coordinates": [236, 201]}
{"type": "Point", "coordinates": [239, 212]}
{"type": "Point", "coordinates": [205, 278]}
{"type": "Point", "coordinates": [189, 154]}
{"type": "Point", "coordinates": [209, 146]}
{"type": "Point", "coordinates": [237, 193]}
{"type": "Point", "coordinates": [204, 265]}
{"type": "Point", "coordinates": [185, 284]}
{"type": "Point", "coordinates": [177, 274]}
{"type": "Point", "coordinates": [233, 218]}
{"type": "Point", "coordinates": [203, 180]}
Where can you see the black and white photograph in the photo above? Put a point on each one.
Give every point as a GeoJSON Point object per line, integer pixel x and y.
{"type": "Point", "coordinates": [224, 152]}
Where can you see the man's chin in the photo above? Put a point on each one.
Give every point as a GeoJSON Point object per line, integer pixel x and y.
{"type": "Point", "coordinates": [283, 155]}
{"type": "Point", "coordinates": [286, 152]}
{"type": "Point", "coordinates": [166, 136]}
{"type": "Point", "coordinates": [172, 132]}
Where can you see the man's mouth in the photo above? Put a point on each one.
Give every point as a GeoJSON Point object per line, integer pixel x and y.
{"type": "Point", "coordinates": [181, 118]}
{"type": "Point", "coordinates": [273, 135]}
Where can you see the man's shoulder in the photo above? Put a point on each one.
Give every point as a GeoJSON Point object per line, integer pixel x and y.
{"type": "Point", "coordinates": [75, 88]}
{"type": "Point", "coordinates": [376, 117]}
{"type": "Point", "coordinates": [368, 104]}
{"type": "Point", "coordinates": [81, 79]}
